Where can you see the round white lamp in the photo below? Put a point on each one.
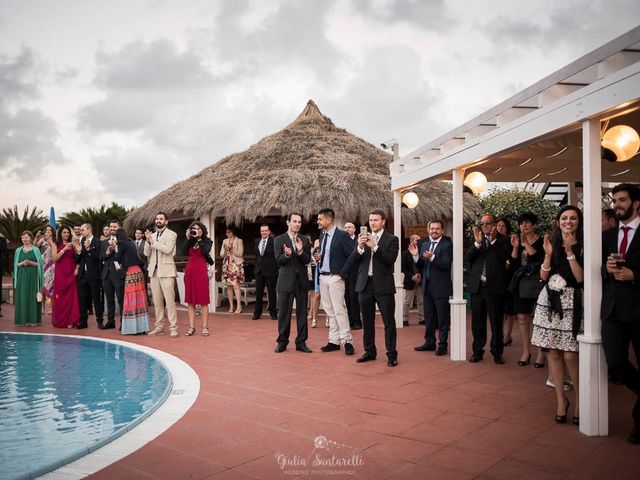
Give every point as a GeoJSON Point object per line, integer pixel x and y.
{"type": "Point", "coordinates": [623, 141]}
{"type": "Point", "coordinates": [410, 199]}
{"type": "Point", "coordinates": [476, 181]}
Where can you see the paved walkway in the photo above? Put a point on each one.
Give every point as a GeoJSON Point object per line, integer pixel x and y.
{"type": "Point", "coordinates": [266, 415]}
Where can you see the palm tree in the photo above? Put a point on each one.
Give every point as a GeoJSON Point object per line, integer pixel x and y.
{"type": "Point", "coordinates": [12, 224]}
{"type": "Point", "coordinates": [97, 217]}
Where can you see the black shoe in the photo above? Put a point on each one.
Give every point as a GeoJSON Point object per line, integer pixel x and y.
{"type": "Point", "coordinates": [392, 362]}
{"type": "Point", "coordinates": [441, 351]}
{"type": "Point", "coordinates": [498, 359]}
{"type": "Point", "coordinates": [303, 348]}
{"type": "Point", "coordinates": [425, 348]}
{"type": "Point", "coordinates": [538, 365]}
{"type": "Point", "coordinates": [524, 363]}
{"type": "Point", "coordinates": [634, 436]}
{"type": "Point", "coordinates": [357, 326]}
{"type": "Point", "coordinates": [274, 317]}
{"type": "Point", "coordinates": [109, 324]}
{"type": "Point", "coordinates": [254, 317]}
{"type": "Point", "coordinates": [563, 418]}
{"type": "Point", "coordinates": [83, 325]}
{"type": "Point", "coordinates": [475, 358]}
{"type": "Point", "coordinates": [421, 322]}
{"type": "Point", "coordinates": [330, 347]}
{"type": "Point", "coordinates": [365, 358]}
{"type": "Point", "coordinates": [280, 348]}
{"type": "Point", "coordinates": [348, 349]}
{"type": "Point", "coordinates": [405, 323]}
{"type": "Point", "coordinates": [100, 325]}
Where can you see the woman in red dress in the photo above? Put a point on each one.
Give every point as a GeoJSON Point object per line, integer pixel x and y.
{"type": "Point", "coordinates": [196, 275]}
{"type": "Point", "coordinates": [66, 304]}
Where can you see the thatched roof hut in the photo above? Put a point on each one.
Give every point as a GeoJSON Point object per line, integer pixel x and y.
{"type": "Point", "coordinates": [308, 165]}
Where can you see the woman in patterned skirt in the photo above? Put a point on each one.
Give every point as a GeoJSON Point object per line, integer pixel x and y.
{"type": "Point", "coordinates": [558, 316]}
{"type": "Point", "coordinates": [46, 244]}
{"type": "Point", "coordinates": [232, 267]}
{"type": "Point", "coordinates": [135, 313]}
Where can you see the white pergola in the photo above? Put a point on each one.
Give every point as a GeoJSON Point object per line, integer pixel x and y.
{"type": "Point", "coordinates": [550, 131]}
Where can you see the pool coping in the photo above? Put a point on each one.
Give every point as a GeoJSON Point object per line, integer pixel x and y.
{"type": "Point", "coordinates": [184, 391]}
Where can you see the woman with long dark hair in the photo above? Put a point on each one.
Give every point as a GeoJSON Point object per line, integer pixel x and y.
{"type": "Point", "coordinates": [504, 228]}
{"type": "Point", "coordinates": [196, 275]}
{"type": "Point", "coordinates": [66, 304]}
{"type": "Point", "coordinates": [558, 316]}
{"type": "Point", "coordinates": [135, 312]}
{"type": "Point", "coordinates": [46, 241]}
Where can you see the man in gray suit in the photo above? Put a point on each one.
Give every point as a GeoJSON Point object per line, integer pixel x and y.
{"type": "Point", "coordinates": [293, 253]}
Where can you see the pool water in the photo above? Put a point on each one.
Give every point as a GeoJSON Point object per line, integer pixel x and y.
{"type": "Point", "coordinates": [63, 397]}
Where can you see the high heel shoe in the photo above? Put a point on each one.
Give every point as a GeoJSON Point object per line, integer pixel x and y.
{"type": "Point", "coordinates": [563, 418]}
{"type": "Point", "coordinates": [239, 310]}
{"type": "Point", "coordinates": [538, 365]}
{"type": "Point", "coordinates": [523, 363]}
{"type": "Point", "coordinates": [576, 420]}
{"type": "Point", "coordinates": [508, 343]}
{"type": "Point", "coordinates": [313, 322]}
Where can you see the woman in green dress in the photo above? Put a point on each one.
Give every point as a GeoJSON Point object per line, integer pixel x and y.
{"type": "Point", "coordinates": [28, 279]}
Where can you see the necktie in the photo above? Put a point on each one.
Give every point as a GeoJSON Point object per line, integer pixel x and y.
{"type": "Point", "coordinates": [375, 242]}
{"type": "Point", "coordinates": [623, 243]}
{"type": "Point", "coordinates": [263, 245]}
{"type": "Point", "coordinates": [431, 247]}
{"type": "Point", "coordinates": [157, 237]}
{"type": "Point", "coordinates": [293, 242]}
{"type": "Point", "coordinates": [483, 275]}
{"type": "Point", "coordinates": [322, 248]}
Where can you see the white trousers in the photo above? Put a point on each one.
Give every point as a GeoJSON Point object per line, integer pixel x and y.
{"type": "Point", "coordinates": [162, 290]}
{"type": "Point", "coordinates": [332, 298]}
{"type": "Point", "coordinates": [408, 302]}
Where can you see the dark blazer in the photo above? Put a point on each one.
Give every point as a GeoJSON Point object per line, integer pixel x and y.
{"type": "Point", "coordinates": [266, 264]}
{"type": "Point", "coordinates": [623, 298]}
{"type": "Point", "coordinates": [496, 257]}
{"type": "Point", "coordinates": [409, 268]}
{"type": "Point", "coordinates": [140, 250]}
{"type": "Point", "coordinates": [293, 269]}
{"type": "Point", "coordinates": [127, 255]}
{"type": "Point", "coordinates": [340, 251]}
{"type": "Point", "coordinates": [383, 260]}
{"type": "Point", "coordinates": [89, 259]}
{"type": "Point", "coordinates": [108, 268]}
{"type": "Point", "coordinates": [439, 283]}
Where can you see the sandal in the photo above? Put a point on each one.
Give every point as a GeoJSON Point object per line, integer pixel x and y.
{"type": "Point", "coordinates": [190, 332]}
{"type": "Point", "coordinates": [205, 332]}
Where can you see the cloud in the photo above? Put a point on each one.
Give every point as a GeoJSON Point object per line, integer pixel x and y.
{"type": "Point", "coordinates": [18, 76]}
{"type": "Point", "coordinates": [428, 14]}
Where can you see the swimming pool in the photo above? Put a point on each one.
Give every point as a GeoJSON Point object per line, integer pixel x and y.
{"type": "Point", "coordinates": [63, 397]}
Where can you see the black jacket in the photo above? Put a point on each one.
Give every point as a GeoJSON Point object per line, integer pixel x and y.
{"type": "Point", "coordinates": [266, 264]}
{"type": "Point", "coordinates": [108, 268]}
{"type": "Point", "coordinates": [90, 266]}
{"type": "Point", "coordinates": [496, 256]}
{"type": "Point", "coordinates": [383, 261]}
{"type": "Point", "coordinates": [293, 269]}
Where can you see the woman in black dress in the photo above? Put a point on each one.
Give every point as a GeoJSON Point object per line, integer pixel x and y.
{"type": "Point", "coordinates": [527, 255]}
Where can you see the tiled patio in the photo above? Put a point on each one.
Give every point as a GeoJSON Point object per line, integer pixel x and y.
{"type": "Point", "coordinates": [427, 418]}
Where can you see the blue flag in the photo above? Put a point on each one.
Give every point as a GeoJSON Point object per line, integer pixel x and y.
{"type": "Point", "coordinates": [52, 218]}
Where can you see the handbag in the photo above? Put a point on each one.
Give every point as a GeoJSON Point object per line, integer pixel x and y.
{"type": "Point", "coordinates": [530, 286]}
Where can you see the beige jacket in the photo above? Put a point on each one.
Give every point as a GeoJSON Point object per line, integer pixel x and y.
{"type": "Point", "coordinates": [160, 254]}
{"type": "Point", "coordinates": [237, 250]}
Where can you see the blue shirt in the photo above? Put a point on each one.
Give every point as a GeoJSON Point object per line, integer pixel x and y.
{"type": "Point", "coordinates": [326, 260]}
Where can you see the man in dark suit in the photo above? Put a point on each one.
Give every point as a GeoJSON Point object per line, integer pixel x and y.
{"type": "Point", "coordinates": [375, 256]}
{"type": "Point", "coordinates": [411, 282]}
{"type": "Point", "coordinates": [350, 294]}
{"type": "Point", "coordinates": [266, 272]}
{"type": "Point", "coordinates": [435, 259]}
{"type": "Point", "coordinates": [333, 268]}
{"type": "Point", "coordinates": [487, 283]}
{"type": "Point", "coordinates": [293, 253]}
{"type": "Point", "coordinates": [89, 273]}
{"type": "Point", "coordinates": [112, 276]}
{"type": "Point", "coordinates": [620, 310]}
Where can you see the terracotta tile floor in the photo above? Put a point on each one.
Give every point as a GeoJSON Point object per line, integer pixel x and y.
{"type": "Point", "coordinates": [259, 413]}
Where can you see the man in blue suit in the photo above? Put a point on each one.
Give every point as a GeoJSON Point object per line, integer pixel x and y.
{"type": "Point", "coordinates": [335, 249]}
{"type": "Point", "coordinates": [434, 260]}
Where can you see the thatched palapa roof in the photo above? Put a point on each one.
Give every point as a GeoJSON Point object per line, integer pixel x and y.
{"type": "Point", "coordinates": [308, 165]}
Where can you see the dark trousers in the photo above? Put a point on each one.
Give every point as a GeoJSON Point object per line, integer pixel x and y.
{"type": "Point", "coordinates": [270, 283]}
{"type": "Point", "coordinates": [285, 309]}
{"type": "Point", "coordinates": [386, 305]}
{"type": "Point", "coordinates": [437, 314]}
{"type": "Point", "coordinates": [616, 337]}
{"type": "Point", "coordinates": [484, 303]}
{"type": "Point", "coordinates": [113, 287]}
{"type": "Point", "coordinates": [351, 300]}
{"type": "Point", "coordinates": [89, 291]}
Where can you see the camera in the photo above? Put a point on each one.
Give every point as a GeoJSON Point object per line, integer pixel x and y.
{"type": "Point", "coordinates": [316, 250]}
{"type": "Point", "coordinates": [192, 232]}
{"type": "Point", "coordinates": [389, 143]}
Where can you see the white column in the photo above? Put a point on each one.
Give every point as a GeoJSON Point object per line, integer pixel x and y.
{"type": "Point", "coordinates": [594, 415]}
{"type": "Point", "coordinates": [397, 269]}
{"type": "Point", "coordinates": [458, 333]}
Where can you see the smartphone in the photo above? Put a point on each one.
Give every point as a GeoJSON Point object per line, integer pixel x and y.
{"type": "Point", "coordinates": [363, 230]}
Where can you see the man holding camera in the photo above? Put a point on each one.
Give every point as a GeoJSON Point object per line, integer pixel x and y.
{"type": "Point", "coordinates": [333, 267]}
{"type": "Point", "coordinates": [112, 276]}
{"type": "Point", "coordinates": [159, 250]}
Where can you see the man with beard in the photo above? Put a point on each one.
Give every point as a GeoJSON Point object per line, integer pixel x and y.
{"type": "Point", "coordinates": [620, 312]}
{"type": "Point", "coordinates": [159, 250]}
{"type": "Point", "coordinates": [89, 268]}
{"type": "Point", "coordinates": [293, 253]}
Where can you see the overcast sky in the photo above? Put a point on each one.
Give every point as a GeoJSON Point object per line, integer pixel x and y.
{"type": "Point", "coordinates": [115, 101]}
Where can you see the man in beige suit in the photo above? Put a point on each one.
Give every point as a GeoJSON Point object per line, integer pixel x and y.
{"type": "Point", "coordinates": [159, 250]}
